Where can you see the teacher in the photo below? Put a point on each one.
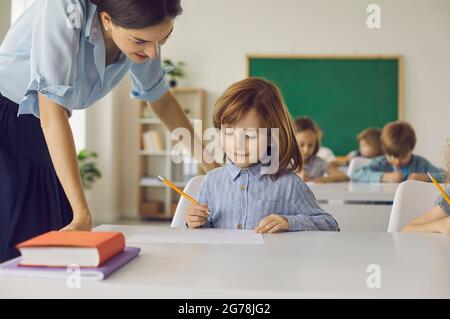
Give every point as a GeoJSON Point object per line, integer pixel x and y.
{"type": "Point", "coordinates": [58, 57]}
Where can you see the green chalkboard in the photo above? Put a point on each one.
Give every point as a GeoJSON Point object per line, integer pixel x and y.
{"type": "Point", "coordinates": [343, 95]}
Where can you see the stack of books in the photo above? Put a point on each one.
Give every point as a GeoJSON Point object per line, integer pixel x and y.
{"type": "Point", "coordinates": [93, 255]}
{"type": "Point", "coordinates": [153, 141]}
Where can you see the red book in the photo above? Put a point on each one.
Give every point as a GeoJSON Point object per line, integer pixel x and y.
{"type": "Point", "coordinates": [65, 248]}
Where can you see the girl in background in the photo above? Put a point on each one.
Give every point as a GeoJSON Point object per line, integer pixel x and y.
{"type": "Point", "coordinates": [315, 169]}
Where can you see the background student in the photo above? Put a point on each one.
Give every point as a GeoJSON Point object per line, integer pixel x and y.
{"type": "Point", "coordinates": [398, 163]}
{"type": "Point", "coordinates": [369, 147]}
{"type": "Point", "coordinates": [315, 168]}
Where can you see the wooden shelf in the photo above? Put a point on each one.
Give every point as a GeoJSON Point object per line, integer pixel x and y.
{"type": "Point", "coordinates": [156, 121]}
{"type": "Point", "coordinates": [150, 121]}
{"type": "Point", "coordinates": [187, 91]}
{"type": "Point", "coordinates": [158, 216]}
{"type": "Point", "coordinates": [154, 163]}
{"type": "Point", "coordinates": [155, 182]}
{"type": "Point", "coordinates": [148, 153]}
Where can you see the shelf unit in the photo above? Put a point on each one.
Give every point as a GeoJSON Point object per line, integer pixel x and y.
{"type": "Point", "coordinates": [155, 199]}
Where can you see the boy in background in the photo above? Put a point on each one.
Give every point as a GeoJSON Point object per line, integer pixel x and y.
{"type": "Point", "coordinates": [398, 164]}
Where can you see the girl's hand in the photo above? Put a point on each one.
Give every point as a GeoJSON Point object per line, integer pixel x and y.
{"type": "Point", "coordinates": [338, 163]}
{"type": "Point", "coordinates": [323, 179]}
{"type": "Point", "coordinates": [272, 224]}
{"type": "Point", "coordinates": [196, 216]}
{"type": "Point", "coordinates": [80, 223]}
{"type": "Point", "coordinates": [395, 177]}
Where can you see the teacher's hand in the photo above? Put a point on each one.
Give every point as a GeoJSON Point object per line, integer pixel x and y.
{"type": "Point", "coordinates": [80, 223]}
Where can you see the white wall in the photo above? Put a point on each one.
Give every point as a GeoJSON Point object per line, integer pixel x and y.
{"type": "Point", "coordinates": [102, 134]}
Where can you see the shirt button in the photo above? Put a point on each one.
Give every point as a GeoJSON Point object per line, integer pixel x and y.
{"type": "Point", "coordinates": [242, 187]}
{"type": "Point", "coordinates": [239, 226]}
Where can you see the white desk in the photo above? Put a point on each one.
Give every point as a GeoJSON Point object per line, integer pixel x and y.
{"type": "Point", "coordinates": [288, 265]}
{"type": "Point", "coordinates": [357, 206]}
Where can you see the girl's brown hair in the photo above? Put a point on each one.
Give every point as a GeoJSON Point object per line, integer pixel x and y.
{"type": "Point", "coordinates": [307, 124]}
{"type": "Point", "coordinates": [266, 99]}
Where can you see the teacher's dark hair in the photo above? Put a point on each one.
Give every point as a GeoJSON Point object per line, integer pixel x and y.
{"type": "Point", "coordinates": [139, 14]}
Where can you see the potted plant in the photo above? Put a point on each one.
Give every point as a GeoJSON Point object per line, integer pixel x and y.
{"type": "Point", "coordinates": [88, 168]}
{"type": "Point", "coordinates": [174, 71]}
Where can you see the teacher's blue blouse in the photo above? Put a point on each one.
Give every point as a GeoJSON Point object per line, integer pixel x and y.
{"type": "Point", "coordinates": [56, 48]}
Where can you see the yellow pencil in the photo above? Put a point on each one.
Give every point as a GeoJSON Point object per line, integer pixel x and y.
{"type": "Point", "coordinates": [179, 191]}
{"type": "Point", "coordinates": [439, 188]}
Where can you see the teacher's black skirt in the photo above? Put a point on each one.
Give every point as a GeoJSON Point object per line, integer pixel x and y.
{"type": "Point", "coordinates": [32, 200]}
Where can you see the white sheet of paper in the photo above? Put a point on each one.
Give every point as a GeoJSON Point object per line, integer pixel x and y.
{"type": "Point", "coordinates": [197, 236]}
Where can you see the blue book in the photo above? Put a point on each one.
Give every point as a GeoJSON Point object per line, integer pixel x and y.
{"type": "Point", "coordinates": [12, 268]}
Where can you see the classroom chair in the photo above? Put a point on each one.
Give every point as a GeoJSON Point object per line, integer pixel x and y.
{"type": "Point", "coordinates": [192, 188]}
{"type": "Point", "coordinates": [356, 164]}
{"type": "Point", "coordinates": [412, 199]}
